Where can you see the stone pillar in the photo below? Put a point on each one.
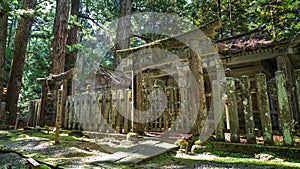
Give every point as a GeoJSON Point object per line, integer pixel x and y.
{"type": "Point", "coordinates": [247, 109]}
{"type": "Point", "coordinates": [284, 65]}
{"type": "Point", "coordinates": [233, 110]}
{"type": "Point", "coordinates": [58, 114]}
{"type": "Point", "coordinates": [218, 111]}
{"type": "Point", "coordinates": [264, 108]}
{"type": "Point", "coordinates": [297, 78]}
{"type": "Point", "coordinates": [284, 108]}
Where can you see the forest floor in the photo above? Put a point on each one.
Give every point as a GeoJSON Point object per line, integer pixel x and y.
{"type": "Point", "coordinates": [80, 152]}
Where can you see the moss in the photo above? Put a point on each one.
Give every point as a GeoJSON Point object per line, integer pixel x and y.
{"type": "Point", "coordinates": [288, 153]}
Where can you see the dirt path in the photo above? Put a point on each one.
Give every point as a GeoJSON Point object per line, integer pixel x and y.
{"type": "Point", "coordinates": [80, 153]}
{"type": "Point", "coordinates": [68, 154]}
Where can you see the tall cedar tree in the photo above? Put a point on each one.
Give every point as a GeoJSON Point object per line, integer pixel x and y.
{"type": "Point", "coordinates": [59, 47]}
{"type": "Point", "coordinates": [123, 30]}
{"type": "Point", "coordinates": [17, 66]}
{"type": "Point", "coordinates": [72, 40]}
{"type": "Point", "coordinates": [60, 36]}
{"type": "Point", "coordinates": [4, 7]}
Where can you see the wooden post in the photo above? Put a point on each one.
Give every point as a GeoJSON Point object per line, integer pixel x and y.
{"type": "Point", "coordinates": [96, 116]}
{"type": "Point", "coordinates": [89, 111]}
{"type": "Point", "coordinates": [284, 108]}
{"type": "Point", "coordinates": [58, 114]}
{"type": "Point", "coordinates": [67, 111]}
{"type": "Point", "coordinates": [127, 109]}
{"type": "Point", "coordinates": [218, 111]}
{"type": "Point", "coordinates": [42, 104]}
{"type": "Point", "coordinates": [166, 112]}
{"type": "Point", "coordinates": [101, 112]}
{"type": "Point", "coordinates": [76, 112]}
{"type": "Point", "coordinates": [297, 78]}
{"type": "Point", "coordinates": [118, 105]}
{"type": "Point", "coordinates": [71, 112]}
{"type": "Point", "coordinates": [233, 110]}
{"type": "Point", "coordinates": [114, 104]}
{"type": "Point", "coordinates": [247, 109]}
{"type": "Point", "coordinates": [93, 111]}
{"type": "Point", "coordinates": [264, 108]}
{"type": "Point", "coordinates": [64, 112]}
{"type": "Point", "coordinates": [31, 113]}
{"type": "Point", "coordinates": [120, 98]}
{"type": "Point", "coordinates": [81, 119]}
{"type": "Point", "coordinates": [106, 103]}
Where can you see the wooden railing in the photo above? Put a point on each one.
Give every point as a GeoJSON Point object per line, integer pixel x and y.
{"type": "Point", "coordinates": [252, 106]}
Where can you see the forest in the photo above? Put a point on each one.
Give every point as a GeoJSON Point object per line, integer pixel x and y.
{"type": "Point", "coordinates": [43, 39]}
{"type": "Point", "coordinates": [28, 31]}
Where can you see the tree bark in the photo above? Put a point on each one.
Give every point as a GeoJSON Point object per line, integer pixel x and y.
{"type": "Point", "coordinates": [3, 36]}
{"type": "Point", "coordinates": [72, 40]}
{"type": "Point", "coordinates": [123, 30]}
{"type": "Point", "coordinates": [71, 56]}
{"type": "Point", "coordinates": [59, 49]}
{"type": "Point", "coordinates": [60, 36]}
{"type": "Point", "coordinates": [17, 67]}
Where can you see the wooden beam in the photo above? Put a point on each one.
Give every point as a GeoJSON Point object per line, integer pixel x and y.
{"type": "Point", "coordinates": [205, 31]}
{"type": "Point", "coordinates": [252, 57]}
{"type": "Point", "coordinates": [157, 65]}
{"type": "Point", "coordinates": [62, 76]}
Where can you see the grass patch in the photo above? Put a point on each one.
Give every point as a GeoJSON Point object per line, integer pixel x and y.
{"type": "Point", "coordinates": [43, 166]}
{"type": "Point", "coordinates": [51, 136]}
{"type": "Point", "coordinates": [171, 159]}
{"type": "Point", "coordinates": [289, 154]}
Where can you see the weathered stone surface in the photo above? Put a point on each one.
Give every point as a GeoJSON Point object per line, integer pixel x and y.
{"type": "Point", "coordinates": [218, 111]}
{"type": "Point", "coordinates": [233, 110]}
{"type": "Point", "coordinates": [264, 108]}
{"type": "Point", "coordinates": [247, 109]}
{"type": "Point", "coordinates": [284, 108]}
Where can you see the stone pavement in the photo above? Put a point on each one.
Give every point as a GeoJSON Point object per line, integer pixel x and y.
{"type": "Point", "coordinates": [137, 154]}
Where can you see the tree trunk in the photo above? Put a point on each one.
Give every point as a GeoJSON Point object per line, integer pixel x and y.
{"type": "Point", "coordinates": [59, 49]}
{"type": "Point", "coordinates": [3, 36]}
{"type": "Point", "coordinates": [17, 67]}
{"type": "Point", "coordinates": [123, 30]}
{"type": "Point", "coordinates": [72, 39]}
{"type": "Point", "coordinates": [60, 36]}
{"type": "Point", "coordinates": [71, 56]}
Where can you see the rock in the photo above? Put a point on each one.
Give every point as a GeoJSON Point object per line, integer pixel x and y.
{"type": "Point", "coordinates": [37, 128]}
{"type": "Point", "coordinates": [196, 148]}
{"type": "Point", "coordinates": [131, 135]}
{"type": "Point", "coordinates": [76, 133]}
{"type": "Point", "coordinates": [265, 157]}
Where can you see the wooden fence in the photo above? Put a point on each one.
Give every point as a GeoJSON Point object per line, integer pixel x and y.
{"type": "Point", "coordinates": [268, 97]}
{"type": "Point", "coordinates": [252, 105]}
{"type": "Point", "coordinates": [110, 111]}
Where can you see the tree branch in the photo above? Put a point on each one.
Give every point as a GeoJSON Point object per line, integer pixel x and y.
{"type": "Point", "coordinates": [93, 20]}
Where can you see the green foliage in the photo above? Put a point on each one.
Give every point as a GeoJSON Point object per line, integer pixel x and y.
{"type": "Point", "coordinates": [43, 166]}
{"type": "Point", "coordinates": [38, 56]}
{"type": "Point", "coordinates": [285, 16]}
{"type": "Point", "coordinates": [237, 17]}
